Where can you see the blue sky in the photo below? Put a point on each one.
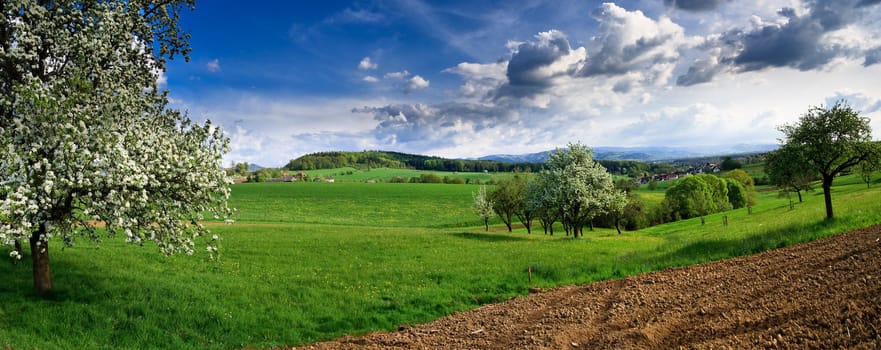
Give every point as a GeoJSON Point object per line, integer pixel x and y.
{"type": "Point", "coordinates": [472, 78]}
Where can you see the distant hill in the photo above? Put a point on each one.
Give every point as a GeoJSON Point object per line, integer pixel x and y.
{"type": "Point", "coordinates": [382, 159]}
{"type": "Point", "coordinates": [644, 154]}
{"type": "Point", "coordinates": [396, 160]}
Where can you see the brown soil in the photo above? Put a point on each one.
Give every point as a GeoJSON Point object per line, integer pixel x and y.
{"type": "Point", "coordinates": [824, 294]}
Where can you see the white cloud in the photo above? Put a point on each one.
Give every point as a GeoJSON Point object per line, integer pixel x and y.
{"type": "Point", "coordinates": [367, 64]}
{"type": "Point", "coordinates": [480, 79]}
{"type": "Point", "coordinates": [397, 75]}
{"type": "Point", "coordinates": [628, 40]}
{"type": "Point", "coordinates": [213, 66]}
{"type": "Point", "coordinates": [370, 79]}
{"type": "Point", "coordinates": [415, 83]}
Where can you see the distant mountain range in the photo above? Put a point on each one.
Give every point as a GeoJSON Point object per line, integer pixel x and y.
{"type": "Point", "coordinates": [643, 154]}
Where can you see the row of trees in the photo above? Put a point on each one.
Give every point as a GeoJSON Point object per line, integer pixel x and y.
{"type": "Point", "coordinates": [382, 159]}
{"type": "Point", "coordinates": [573, 189]}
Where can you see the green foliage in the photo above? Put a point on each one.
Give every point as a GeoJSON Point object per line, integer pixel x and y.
{"type": "Point", "coordinates": [689, 197]}
{"type": "Point", "coordinates": [730, 164]}
{"type": "Point", "coordinates": [382, 159]}
{"type": "Point", "coordinates": [737, 194]}
{"type": "Point", "coordinates": [832, 141]}
{"type": "Point", "coordinates": [508, 199]}
{"type": "Point", "coordinates": [789, 170]}
{"type": "Point", "coordinates": [699, 195]}
{"type": "Point", "coordinates": [870, 165]}
{"type": "Point", "coordinates": [741, 197]}
{"type": "Point", "coordinates": [265, 174]}
{"type": "Point", "coordinates": [719, 192]}
{"type": "Point", "coordinates": [430, 179]}
{"type": "Point", "coordinates": [367, 160]}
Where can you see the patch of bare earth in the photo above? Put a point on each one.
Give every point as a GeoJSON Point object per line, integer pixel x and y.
{"type": "Point", "coordinates": [825, 294]}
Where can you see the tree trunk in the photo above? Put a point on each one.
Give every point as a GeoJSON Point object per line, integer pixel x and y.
{"type": "Point", "coordinates": [799, 195]}
{"type": "Point", "coordinates": [617, 226]}
{"type": "Point", "coordinates": [486, 225]}
{"type": "Point", "coordinates": [40, 256]}
{"type": "Point", "coordinates": [18, 248]}
{"type": "Point", "coordinates": [827, 194]}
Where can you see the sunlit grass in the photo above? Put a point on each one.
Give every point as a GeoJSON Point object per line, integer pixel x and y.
{"type": "Point", "coordinates": [315, 261]}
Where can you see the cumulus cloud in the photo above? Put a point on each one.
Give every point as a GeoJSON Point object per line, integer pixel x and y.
{"type": "Point", "coordinates": [423, 126]}
{"type": "Point", "coordinates": [701, 71]}
{"type": "Point", "coordinates": [628, 41]}
{"type": "Point", "coordinates": [415, 83]}
{"type": "Point", "coordinates": [535, 63]}
{"type": "Point", "coordinates": [213, 66]}
{"type": "Point", "coordinates": [367, 64]}
{"type": "Point", "coordinates": [628, 44]}
{"type": "Point", "coordinates": [804, 39]}
{"type": "Point", "coordinates": [370, 79]}
{"type": "Point", "coordinates": [479, 80]}
{"type": "Point", "coordinates": [536, 66]}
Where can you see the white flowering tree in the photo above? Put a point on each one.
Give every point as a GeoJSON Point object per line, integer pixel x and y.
{"type": "Point", "coordinates": [483, 206]}
{"type": "Point", "coordinates": [582, 188]}
{"type": "Point", "coordinates": [87, 138]}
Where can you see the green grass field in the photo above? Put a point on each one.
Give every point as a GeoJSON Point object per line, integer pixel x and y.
{"type": "Point", "coordinates": [315, 261]}
{"type": "Point", "coordinates": [386, 174]}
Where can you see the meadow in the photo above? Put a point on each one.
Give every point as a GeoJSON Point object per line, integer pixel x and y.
{"type": "Point", "coordinates": [387, 174]}
{"type": "Point", "coordinates": [312, 261]}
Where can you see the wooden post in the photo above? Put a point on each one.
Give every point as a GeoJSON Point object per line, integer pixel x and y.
{"type": "Point", "coordinates": [529, 271]}
{"type": "Point", "coordinates": [725, 221]}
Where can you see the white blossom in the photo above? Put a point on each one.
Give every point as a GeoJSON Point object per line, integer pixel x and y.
{"type": "Point", "coordinates": [83, 143]}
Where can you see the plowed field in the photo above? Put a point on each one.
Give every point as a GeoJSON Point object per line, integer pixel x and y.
{"type": "Point", "coordinates": [824, 294]}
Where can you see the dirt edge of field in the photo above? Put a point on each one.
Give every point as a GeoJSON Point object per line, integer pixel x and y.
{"type": "Point", "coordinates": [823, 294]}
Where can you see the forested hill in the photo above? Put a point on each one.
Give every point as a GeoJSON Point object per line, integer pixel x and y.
{"type": "Point", "coordinates": [382, 159]}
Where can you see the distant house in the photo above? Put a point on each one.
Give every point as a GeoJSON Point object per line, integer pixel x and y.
{"type": "Point", "coordinates": [239, 180]}
{"type": "Point", "coordinates": [284, 178]}
{"type": "Point", "coordinates": [329, 179]}
{"type": "Point", "coordinates": [669, 177]}
{"type": "Point", "coordinates": [301, 176]}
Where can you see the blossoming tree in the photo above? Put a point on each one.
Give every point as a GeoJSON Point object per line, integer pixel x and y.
{"type": "Point", "coordinates": [87, 137]}
{"type": "Point", "coordinates": [580, 188]}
